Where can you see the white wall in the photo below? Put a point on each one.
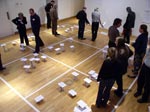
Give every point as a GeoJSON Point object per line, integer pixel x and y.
{"type": "Point", "coordinates": [110, 9]}
{"type": "Point", "coordinates": [6, 26]}
{"type": "Point", "coordinates": [69, 8]}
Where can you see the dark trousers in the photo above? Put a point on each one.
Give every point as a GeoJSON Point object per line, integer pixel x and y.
{"type": "Point", "coordinates": [119, 84]}
{"type": "Point", "coordinates": [144, 82]}
{"type": "Point", "coordinates": [48, 20]}
{"type": "Point", "coordinates": [95, 26]}
{"type": "Point", "coordinates": [54, 26]}
{"type": "Point", "coordinates": [104, 91]}
{"type": "Point", "coordinates": [138, 59]}
{"type": "Point", "coordinates": [81, 29]}
{"type": "Point", "coordinates": [1, 65]}
{"type": "Point", "coordinates": [127, 33]}
{"type": "Point", "coordinates": [23, 36]}
{"type": "Point", "coordinates": [38, 41]}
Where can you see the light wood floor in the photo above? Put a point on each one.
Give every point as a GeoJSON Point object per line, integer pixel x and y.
{"type": "Point", "coordinates": [18, 88]}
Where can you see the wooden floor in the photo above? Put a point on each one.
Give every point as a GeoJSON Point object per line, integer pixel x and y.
{"type": "Point", "coordinates": [18, 88]}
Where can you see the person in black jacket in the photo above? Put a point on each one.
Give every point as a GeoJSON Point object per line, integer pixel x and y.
{"type": "Point", "coordinates": [106, 77]}
{"type": "Point", "coordinates": [129, 24]}
{"type": "Point", "coordinates": [20, 22]}
{"type": "Point", "coordinates": [36, 24]}
{"type": "Point", "coordinates": [143, 82]}
{"type": "Point", "coordinates": [82, 16]}
{"type": "Point", "coordinates": [124, 52]}
{"type": "Point", "coordinates": [47, 10]}
{"type": "Point", "coordinates": [140, 46]}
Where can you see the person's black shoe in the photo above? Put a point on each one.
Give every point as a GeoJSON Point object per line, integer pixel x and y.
{"type": "Point", "coordinates": [3, 68]}
{"type": "Point", "coordinates": [137, 94]}
{"type": "Point", "coordinates": [141, 101]}
{"type": "Point", "coordinates": [35, 52]}
{"type": "Point", "coordinates": [132, 76]}
{"type": "Point", "coordinates": [98, 106]}
{"type": "Point", "coordinates": [104, 105]}
{"type": "Point", "coordinates": [118, 93]}
{"type": "Point", "coordinates": [83, 38]}
{"type": "Point", "coordinates": [57, 34]}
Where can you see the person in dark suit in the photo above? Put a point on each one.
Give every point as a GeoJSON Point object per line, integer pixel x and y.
{"type": "Point", "coordinates": [143, 81]}
{"type": "Point", "coordinates": [47, 10]}
{"type": "Point", "coordinates": [54, 18]}
{"type": "Point", "coordinates": [129, 24]}
{"type": "Point", "coordinates": [140, 46]}
{"type": "Point", "coordinates": [124, 52]}
{"type": "Point", "coordinates": [1, 65]}
{"type": "Point", "coordinates": [20, 22]}
{"type": "Point", "coordinates": [82, 17]}
{"type": "Point", "coordinates": [36, 24]}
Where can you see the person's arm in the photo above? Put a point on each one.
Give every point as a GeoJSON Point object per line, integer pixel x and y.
{"type": "Point", "coordinates": [24, 20]}
{"type": "Point", "coordinates": [101, 23]}
{"type": "Point", "coordinates": [78, 15]}
{"type": "Point", "coordinates": [86, 20]}
{"type": "Point", "coordinates": [15, 21]}
{"type": "Point", "coordinates": [38, 21]}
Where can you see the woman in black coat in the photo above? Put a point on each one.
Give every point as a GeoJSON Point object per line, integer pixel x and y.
{"type": "Point", "coordinates": [106, 77]}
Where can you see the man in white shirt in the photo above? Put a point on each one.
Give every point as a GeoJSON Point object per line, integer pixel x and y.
{"type": "Point", "coordinates": [95, 23]}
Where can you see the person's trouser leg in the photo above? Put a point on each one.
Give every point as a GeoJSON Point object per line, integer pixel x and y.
{"type": "Point", "coordinates": [1, 65]}
{"type": "Point", "coordinates": [48, 20]}
{"type": "Point", "coordinates": [25, 37]}
{"type": "Point", "coordinates": [127, 34]}
{"type": "Point", "coordinates": [109, 84]}
{"type": "Point", "coordinates": [120, 85]}
{"type": "Point", "coordinates": [81, 30]}
{"type": "Point", "coordinates": [21, 36]}
{"type": "Point", "coordinates": [141, 80]}
{"type": "Point", "coordinates": [95, 26]}
{"type": "Point", "coordinates": [100, 93]}
{"type": "Point", "coordinates": [146, 93]}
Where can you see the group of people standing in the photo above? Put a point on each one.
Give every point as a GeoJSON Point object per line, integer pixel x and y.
{"type": "Point", "coordinates": [20, 22]}
{"type": "Point", "coordinates": [52, 17]}
{"type": "Point", "coordinates": [116, 63]}
{"type": "Point", "coordinates": [82, 17]}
